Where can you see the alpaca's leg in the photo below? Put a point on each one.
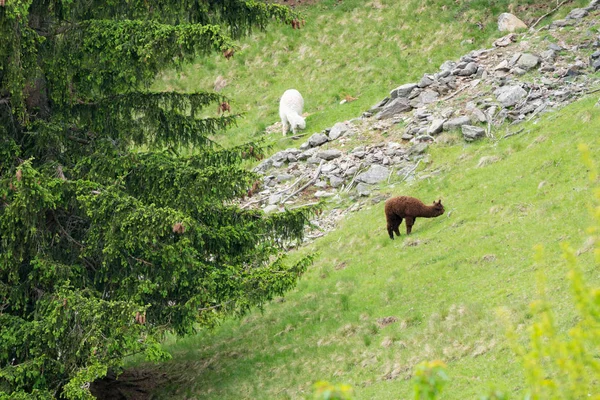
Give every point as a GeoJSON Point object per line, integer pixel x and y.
{"type": "Point", "coordinates": [393, 222]}
{"type": "Point", "coordinates": [397, 226]}
{"type": "Point", "coordinates": [285, 125]}
{"type": "Point", "coordinates": [392, 225]}
{"type": "Point", "coordinates": [410, 221]}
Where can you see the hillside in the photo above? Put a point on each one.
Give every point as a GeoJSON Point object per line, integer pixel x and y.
{"type": "Point", "coordinates": [370, 309]}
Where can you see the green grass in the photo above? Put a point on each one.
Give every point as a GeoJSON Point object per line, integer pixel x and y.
{"type": "Point", "coordinates": [356, 48]}
{"type": "Point", "coordinates": [443, 285]}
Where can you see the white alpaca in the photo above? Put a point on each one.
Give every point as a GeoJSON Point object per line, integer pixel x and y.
{"type": "Point", "coordinates": [290, 111]}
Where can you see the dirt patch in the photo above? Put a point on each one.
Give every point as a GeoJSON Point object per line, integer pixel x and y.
{"type": "Point", "coordinates": [294, 3]}
{"type": "Point", "coordinates": [132, 384]}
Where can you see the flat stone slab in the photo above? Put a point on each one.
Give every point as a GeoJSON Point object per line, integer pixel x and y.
{"type": "Point", "coordinates": [471, 133]}
{"type": "Point", "coordinates": [508, 96]}
{"type": "Point", "coordinates": [375, 174]}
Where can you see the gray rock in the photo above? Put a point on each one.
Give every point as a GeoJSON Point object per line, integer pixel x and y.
{"type": "Point", "coordinates": [478, 115]}
{"type": "Point", "coordinates": [305, 146]}
{"type": "Point", "coordinates": [447, 66]}
{"type": "Point", "coordinates": [317, 139]}
{"type": "Point", "coordinates": [548, 55]}
{"type": "Point", "coordinates": [596, 65]}
{"type": "Point", "coordinates": [351, 171]}
{"type": "Point", "coordinates": [547, 68]}
{"type": "Point", "coordinates": [274, 198]}
{"type": "Point", "coordinates": [270, 209]}
{"type": "Point", "coordinates": [503, 66]}
{"type": "Point", "coordinates": [376, 173]}
{"type": "Point", "coordinates": [335, 182]}
{"type": "Point", "coordinates": [407, 136]}
{"type": "Point", "coordinates": [456, 123]}
{"type": "Point", "coordinates": [509, 23]}
{"type": "Point", "coordinates": [471, 132]}
{"type": "Point", "coordinates": [418, 148]}
{"type": "Point", "coordinates": [560, 23]}
{"type": "Point", "coordinates": [264, 166]}
{"type": "Point", "coordinates": [425, 81]}
{"type": "Point", "coordinates": [436, 126]}
{"type": "Point", "coordinates": [403, 91]}
{"type": "Point", "coordinates": [428, 96]}
{"type": "Point", "coordinates": [506, 40]}
{"type": "Point", "coordinates": [312, 160]}
{"type": "Point", "coordinates": [305, 155]}
{"type": "Point", "coordinates": [528, 61]}
{"type": "Point", "coordinates": [284, 177]}
{"type": "Point", "coordinates": [363, 189]}
{"type": "Point", "coordinates": [323, 193]}
{"type": "Point", "coordinates": [577, 13]}
{"type": "Point", "coordinates": [555, 47]}
{"type": "Point", "coordinates": [397, 106]}
{"type": "Point", "coordinates": [513, 60]}
{"type": "Point", "coordinates": [338, 130]}
{"type": "Point", "coordinates": [468, 70]}
{"type": "Point", "coordinates": [328, 155]}
{"type": "Point", "coordinates": [279, 156]}
{"type": "Point", "coordinates": [329, 168]}
{"type": "Point", "coordinates": [518, 71]}
{"type": "Point", "coordinates": [508, 96]}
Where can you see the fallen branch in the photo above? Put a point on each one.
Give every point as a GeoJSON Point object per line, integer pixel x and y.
{"type": "Point", "coordinates": [292, 185]}
{"type": "Point", "coordinates": [313, 180]}
{"type": "Point", "coordinates": [295, 137]}
{"type": "Point", "coordinates": [454, 94]}
{"type": "Point", "coordinates": [593, 91]}
{"type": "Point", "coordinates": [537, 112]}
{"type": "Point", "coordinates": [549, 13]}
{"type": "Point", "coordinates": [358, 171]}
{"type": "Point", "coordinates": [304, 205]}
{"type": "Point", "coordinates": [411, 170]}
{"type": "Point", "coordinates": [252, 202]}
{"type": "Point", "coordinates": [513, 133]}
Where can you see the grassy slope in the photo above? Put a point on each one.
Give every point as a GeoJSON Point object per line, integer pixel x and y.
{"type": "Point", "coordinates": [444, 290]}
{"type": "Point", "coordinates": [352, 47]}
{"type": "Point", "coordinates": [444, 284]}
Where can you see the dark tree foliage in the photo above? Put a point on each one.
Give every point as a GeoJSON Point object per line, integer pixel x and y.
{"type": "Point", "coordinates": [110, 234]}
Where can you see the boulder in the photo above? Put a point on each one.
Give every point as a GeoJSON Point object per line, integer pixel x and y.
{"type": "Point", "coordinates": [471, 133]}
{"type": "Point", "coordinates": [528, 61]}
{"type": "Point", "coordinates": [456, 123]}
{"type": "Point", "coordinates": [508, 22]}
{"type": "Point", "coordinates": [363, 189]}
{"type": "Point", "coordinates": [338, 130]}
{"type": "Point", "coordinates": [375, 174]}
{"type": "Point", "coordinates": [437, 125]}
{"type": "Point", "coordinates": [396, 106]}
{"type": "Point", "coordinates": [317, 139]}
{"type": "Point", "coordinates": [578, 13]}
{"type": "Point", "coordinates": [403, 91]}
{"type": "Point", "coordinates": [328, 155]}
{"type": "Point", "coordinates": [508, 96]}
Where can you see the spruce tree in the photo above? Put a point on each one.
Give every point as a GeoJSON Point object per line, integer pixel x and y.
{"type": "Point", "coordinates": [118, 215]}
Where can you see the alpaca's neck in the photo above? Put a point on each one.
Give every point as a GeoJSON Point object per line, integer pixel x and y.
{"type": "Point", "coordinates": [429, 212]}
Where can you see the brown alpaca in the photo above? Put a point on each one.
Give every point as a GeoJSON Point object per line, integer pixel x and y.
{"type": "Point", "coordinates": [408, 208]}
